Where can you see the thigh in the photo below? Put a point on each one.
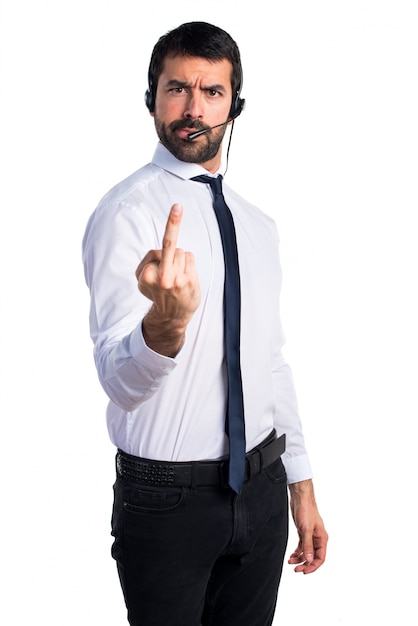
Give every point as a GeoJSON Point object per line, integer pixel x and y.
{"type": "Point", "coordinates": [166, 540]}
{"type": "Point", "coordinates": [243, 587]}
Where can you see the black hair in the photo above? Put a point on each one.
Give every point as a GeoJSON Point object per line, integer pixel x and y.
{"type": "Point", "coordinates": [195, 39]}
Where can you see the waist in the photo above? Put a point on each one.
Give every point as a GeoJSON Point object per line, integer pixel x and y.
{"type": "Point", "coordinates": [197, 473]}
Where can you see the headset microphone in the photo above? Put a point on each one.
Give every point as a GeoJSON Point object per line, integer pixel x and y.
{"type": "Point", "coordinates": [192, 136]}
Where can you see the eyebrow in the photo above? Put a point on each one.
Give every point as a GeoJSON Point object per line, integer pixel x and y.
{"type": "Point", "coordinates": [180, 83]}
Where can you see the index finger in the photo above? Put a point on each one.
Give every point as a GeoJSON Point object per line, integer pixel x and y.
{"type": "Point", "coordinates": [171, 233]}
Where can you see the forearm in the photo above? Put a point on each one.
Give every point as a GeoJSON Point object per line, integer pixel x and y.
{"type": "Point", "coordinates": [302, 497]}
{"type": "Point", "coordinates": [129, 371]}
{"type": "Point", "coordinates": [302, 490]}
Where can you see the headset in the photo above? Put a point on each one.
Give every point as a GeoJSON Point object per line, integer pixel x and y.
{"type": "Point", "coordinates": [236, 108]}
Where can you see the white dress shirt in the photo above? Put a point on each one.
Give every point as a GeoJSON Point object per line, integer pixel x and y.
{"type": "Point", "coordinates": [173, 409]}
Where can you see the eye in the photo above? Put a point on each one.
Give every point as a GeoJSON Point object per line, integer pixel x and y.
{"type": "Point", "coordinates": [177, 90]}
{"type": "Point", "coordinates": [213, 93]}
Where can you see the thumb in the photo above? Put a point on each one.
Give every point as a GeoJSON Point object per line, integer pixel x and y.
{"type": "Point", "coordinates": [308, 548]}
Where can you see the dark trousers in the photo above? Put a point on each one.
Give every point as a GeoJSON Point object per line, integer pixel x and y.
{"type": "Point", "coordinates": [202, 556]}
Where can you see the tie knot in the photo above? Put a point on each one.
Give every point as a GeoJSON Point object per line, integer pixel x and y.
{"type": "Point", "coordinates": [214, 182]}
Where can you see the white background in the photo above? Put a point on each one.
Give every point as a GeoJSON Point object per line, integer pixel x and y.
{"type": "Point", "coordinates": [331, 118]}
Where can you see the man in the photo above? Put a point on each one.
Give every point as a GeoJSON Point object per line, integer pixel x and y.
{"type": "Point", "coordinates": [193, 543]}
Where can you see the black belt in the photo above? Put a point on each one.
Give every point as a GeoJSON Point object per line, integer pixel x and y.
{"type": "Point", "coordinates": [196, 473]}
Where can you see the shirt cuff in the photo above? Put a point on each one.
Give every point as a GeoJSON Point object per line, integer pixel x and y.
{"type": "Point", "coordinates": [149, 359]}
{"type": "Point", "coordinates": [297, 468]}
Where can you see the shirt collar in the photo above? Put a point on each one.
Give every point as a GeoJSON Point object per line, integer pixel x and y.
{"type": "Point", "coordinates": [167, 161]}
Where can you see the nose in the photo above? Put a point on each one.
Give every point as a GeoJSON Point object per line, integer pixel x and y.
{"type": "Point", "coordinates": [194, 107]}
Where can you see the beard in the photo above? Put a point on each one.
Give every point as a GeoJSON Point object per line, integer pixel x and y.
{"type": "Point", "coordinates": [184, 149]}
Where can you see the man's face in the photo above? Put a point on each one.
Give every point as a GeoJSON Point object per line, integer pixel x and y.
{"type": "Point", "coordinates": [193, 93]}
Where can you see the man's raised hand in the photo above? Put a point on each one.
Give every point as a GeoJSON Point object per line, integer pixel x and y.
{"type": "Point", "coordinates": [168, 278]}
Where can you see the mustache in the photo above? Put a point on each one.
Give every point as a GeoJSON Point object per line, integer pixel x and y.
{"type": "Point", "coordinates": [191, 124]}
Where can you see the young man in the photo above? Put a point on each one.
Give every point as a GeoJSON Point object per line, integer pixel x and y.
{"type": "Point", "coordinates": [195, 542]}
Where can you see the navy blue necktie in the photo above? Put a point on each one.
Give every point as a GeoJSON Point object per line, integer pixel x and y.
{"type": "Point", "coordinates": [235, 427]}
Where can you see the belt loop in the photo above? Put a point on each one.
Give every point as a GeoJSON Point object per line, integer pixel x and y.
{"type": "Point", "coordinates": [194, 475]}
{"type": "Point", "coordinates": [260, 455]}
{"type": "Point", "coordinates": [223, 474]}
{"type": "Point", "coordinates": [254, 461]}
{"type": "Point", "coordinates": [118, 462]}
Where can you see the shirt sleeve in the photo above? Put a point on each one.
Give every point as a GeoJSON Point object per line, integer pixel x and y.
{"type": "Point", "coordinates": [287, 420]}
{"type": "Point", "coordinates": [113, 245]}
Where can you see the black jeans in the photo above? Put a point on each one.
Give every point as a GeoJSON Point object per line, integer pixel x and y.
{"type": "Point", "coordinates": [203, 556]}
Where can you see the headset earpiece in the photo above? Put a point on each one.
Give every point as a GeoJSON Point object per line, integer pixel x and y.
{"type": "Point", "coordinates": [239, 103]}
{"type": "Point", "coordinates": [150, 99]}
{"type": "Point", "coordinates": [237, 107]}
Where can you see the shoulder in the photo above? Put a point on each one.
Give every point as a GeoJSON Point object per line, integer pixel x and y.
{"type": "Point", "coordinates": [126, 197]}
{"type": "Point", "coordinates": [120, 212]}
{"type": "Point", "coordinates": [130, 188]}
